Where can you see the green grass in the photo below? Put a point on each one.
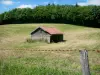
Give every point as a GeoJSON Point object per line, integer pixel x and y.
{"type": "Point", "coordinates": [45, 63]}
{"type": "Point", "coordinates": [39, 70]}
{"type": "Point", "coordinates": [21, 59]}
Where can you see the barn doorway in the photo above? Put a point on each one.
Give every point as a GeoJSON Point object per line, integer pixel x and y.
{"type": "Point", "coordinates": [56, 38]}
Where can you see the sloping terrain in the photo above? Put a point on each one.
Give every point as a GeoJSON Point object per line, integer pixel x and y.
{"type": "Point", "coordinates": [77, 37]}
{"type": "Point", "coordinates": [17, 56]}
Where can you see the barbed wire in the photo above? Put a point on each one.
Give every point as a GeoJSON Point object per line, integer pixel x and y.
{"type": "Point", "coordinates": [70, 50]}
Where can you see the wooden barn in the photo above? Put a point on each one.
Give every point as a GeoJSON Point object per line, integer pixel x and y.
{"type": "Point", "coordinates": [48, 34]}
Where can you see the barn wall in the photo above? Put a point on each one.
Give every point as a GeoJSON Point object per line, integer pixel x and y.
{"type": "Point", "coordinates": [41, 35]}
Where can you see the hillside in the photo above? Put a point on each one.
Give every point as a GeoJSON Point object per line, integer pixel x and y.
{"type": "Point", "coordinates": [77, 37]}
{"type": "Point", "coordinates": [17, 56]}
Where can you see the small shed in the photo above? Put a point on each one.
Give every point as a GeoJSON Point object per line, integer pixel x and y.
{"type": "Point", "coordinates": [48, 34]}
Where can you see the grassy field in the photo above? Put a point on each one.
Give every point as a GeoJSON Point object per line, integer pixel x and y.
{"type": "Point", "coordinates": [17, 56]}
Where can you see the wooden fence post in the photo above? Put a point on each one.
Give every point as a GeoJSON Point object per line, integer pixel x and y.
{"type": "Point", "coordinates": [84, 62]}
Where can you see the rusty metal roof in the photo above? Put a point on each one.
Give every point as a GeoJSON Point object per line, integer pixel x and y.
{"type": "Point", "coordinates": [51, 30]}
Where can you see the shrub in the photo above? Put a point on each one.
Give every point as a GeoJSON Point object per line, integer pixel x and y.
{"type": "Point", "coordinates": [29, 40]}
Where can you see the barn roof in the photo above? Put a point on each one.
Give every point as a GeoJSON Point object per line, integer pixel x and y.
{"type": "Point", "coordinates": [49, 30]}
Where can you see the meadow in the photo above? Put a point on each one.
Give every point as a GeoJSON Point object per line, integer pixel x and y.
{"type": "Point", "coordinates": [18, 57]}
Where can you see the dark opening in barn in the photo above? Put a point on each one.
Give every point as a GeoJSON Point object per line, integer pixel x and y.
{"type": "Point", "coordinates": [48, 34]}
{"type": "Point", "coordinates": [56, 38]}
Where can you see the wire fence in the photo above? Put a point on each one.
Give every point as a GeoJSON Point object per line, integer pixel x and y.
{"type": "Point", "coordinates": [51, 50]}
{"type": "Point", "coordinates": [46, 62]}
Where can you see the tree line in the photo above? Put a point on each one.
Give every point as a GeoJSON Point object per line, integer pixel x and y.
{"type": "Point", "coordinates": [51, 13]}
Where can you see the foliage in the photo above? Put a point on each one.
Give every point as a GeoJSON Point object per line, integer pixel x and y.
{"type": "Point", "coordinates": [29, 40]}
{"type": "Point", "coordinates": [96, 67]}
{"type": "Point", "coordinates": [51, 13]}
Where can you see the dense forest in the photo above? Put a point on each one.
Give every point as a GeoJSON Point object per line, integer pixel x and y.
{"type": "Point", "coordinates": [51, 13]}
